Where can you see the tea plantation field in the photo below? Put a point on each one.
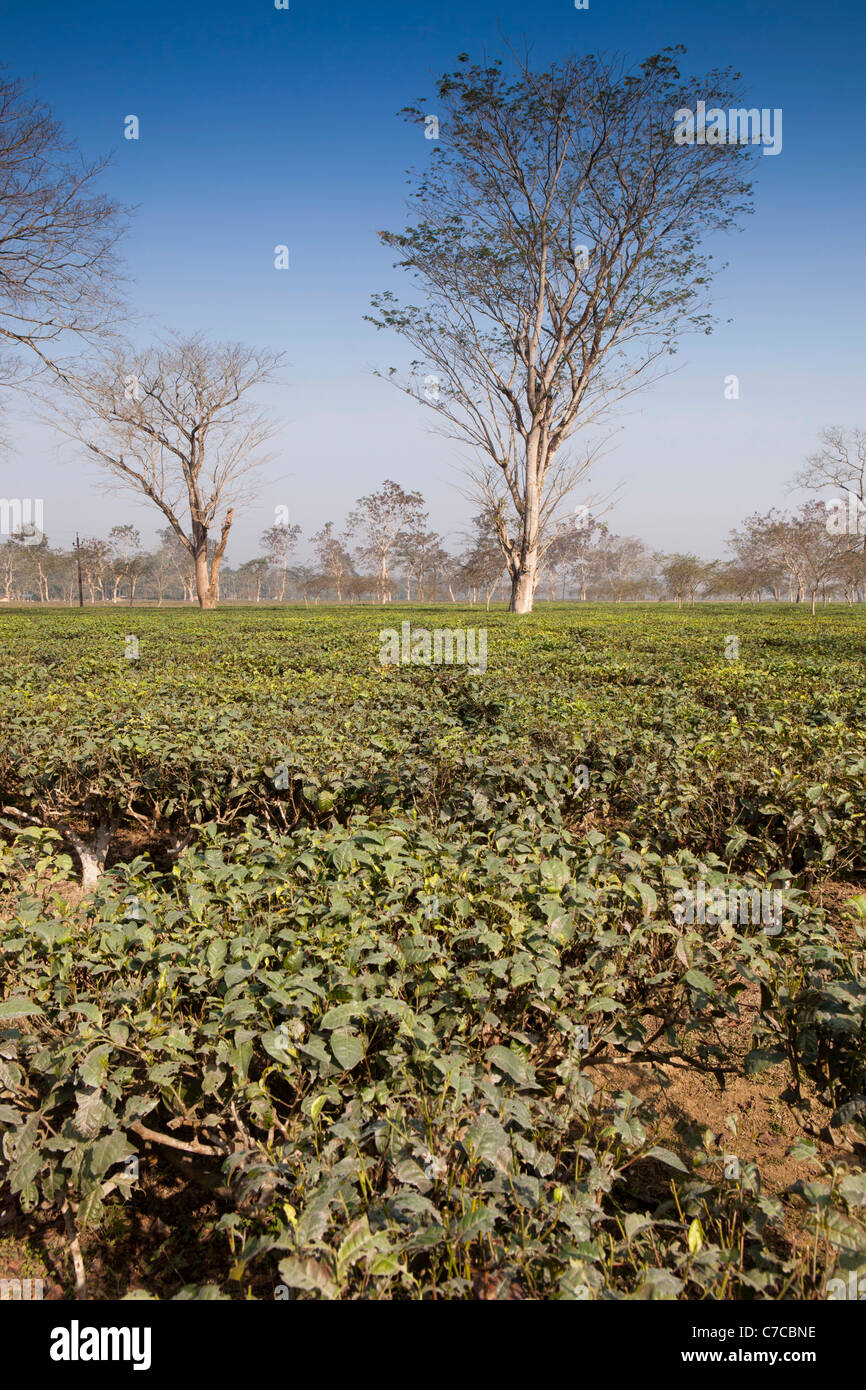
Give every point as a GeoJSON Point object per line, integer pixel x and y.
{"type": "Point", "coordinates": [323, 978]}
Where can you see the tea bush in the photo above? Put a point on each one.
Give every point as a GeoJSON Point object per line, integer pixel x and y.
{"type": "Point", "coordinates": [364, 935]}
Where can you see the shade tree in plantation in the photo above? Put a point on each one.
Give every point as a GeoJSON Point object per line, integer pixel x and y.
{"type": "Point", "coordinates": [379, 520]}
{"type": "Point", "coordinates": [176, 424]}
{"type": "Point", "coordinates": [756, 565]}
{"type": "Point", "coordinates": [310, 583]}
{"type": "Point", "coordinates": [358, 587]}
{"type": "Point", "coordinates": [333, 555]}
{"type": "Point", "coordinates": [175, 562]}
{"type": "Point", "coordinates": [126, 561]}
{"type": "Point", "coordinates": [799, 546]}
{"type": "Point", "coordinates": [251, 578]}
{"type": "Point", "coordinates": [39, 568]}
{"type": "Point", "coordinates": [627, 565]}
{"type": "Point", "coordinates": [10, 551]}
{"type": "Point", "coordinates": [558, 244]}
{"type": "Point", "coordinates": [432, 567]}
{"type": "Point", "coordinates": [94, 555]}
{"type": "Point", "coordinates": [839, 464]}
{"type": "Point", "coordinates": [558, 561]}
{"type": "Point", "coordinates": [482, 564]}
{"type": "Point", "coordinates": [736, 580]}
{"type": "Point", "coordinates": [580, 539]}
{"type": "Point", "coordinates": [279, 543]}
{"type": "Point", "coordinates": [684, 576]}
{"type": "Point", "coordinates": [813, 552]}
{"type": "Point", "coordinates": [421, 554]}
{"type": "Point", "coordinates": [851, 572]}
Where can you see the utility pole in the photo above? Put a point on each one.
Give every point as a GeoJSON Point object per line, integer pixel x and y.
{"type": "Point", "coordinates": [78, 558]}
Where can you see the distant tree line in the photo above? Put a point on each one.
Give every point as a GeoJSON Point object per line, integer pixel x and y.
{"type": "Point", "coordinates": [387, 550]}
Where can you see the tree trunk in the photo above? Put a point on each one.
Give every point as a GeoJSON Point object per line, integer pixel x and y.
{"type": "Point", "coordinates": [207, 579]}
{"type": "Point", "coordinates": [523, 584]}
{"type": "Point", "coordinates": [202, 582]}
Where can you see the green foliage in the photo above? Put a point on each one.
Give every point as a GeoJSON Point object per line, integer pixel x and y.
{"type": "Point", "coordinates": [366, 992]}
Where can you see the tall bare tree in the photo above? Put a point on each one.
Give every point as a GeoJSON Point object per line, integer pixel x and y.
{"type": "Point", "coordinates": [174, 424]}
{"type": "Point", "coordinates": [558, 241]}
{"type": "Point", "coordinates": [58, 237]}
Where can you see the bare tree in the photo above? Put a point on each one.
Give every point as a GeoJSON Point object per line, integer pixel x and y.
{"type": "Point", "coordinates": [556, 561]}
{"type": "Point", "coordinates": [333, 556]}
{"type": "Point", "coordinates": [840, 463]}
{"type": "Point", "coordinates": [585, 532]}
{"type": "Point", "coordinates": [172, 423]}
{"type": "Point", "coordinates": [125, 542]}
{"type": "Point", "coordinates": [814, 553]}
{"type": "Point", "coordinates": [252, 575]}
{"type": "Point", "coordinates": [759, 561]}
{"type": "Point", "coordinates": [175, 562]}
{"type": "Point", "coordinates": [42, 561]}
{"type": "Point", "coordinates": [279, 543]}
{"type": "Point", "coordinates": [805, 548]}
{"type": "Point", "coordinates": [482, 563]}
{"type": "Point", "coordinates": [736, 579]}
{"type": "Point", "coordinates": [559, 239]}
{"type": "Point", "coordinates": [10, 552]}
{"type": "Point", "coordinates": [58, 234]}
{"type": "Point", "coordinates": [95, 556]}
{"type": "Point", "coordinates": [626, 564]}
{"type": "Point", "coordinates": [310, 582]}
{"type": "Point", "coordinates": [851, 574]}
{"type": "Point", "coordinates": [381, 518]}
{"type": "Point", "coordinates": [418, 550]}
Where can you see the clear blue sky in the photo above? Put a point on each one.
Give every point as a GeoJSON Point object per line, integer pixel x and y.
{"type": "Point", "coordinates": [262, 126]}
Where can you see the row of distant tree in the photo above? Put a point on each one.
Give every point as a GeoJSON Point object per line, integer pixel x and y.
{"type": "Point", "coordinates": [387, 550]}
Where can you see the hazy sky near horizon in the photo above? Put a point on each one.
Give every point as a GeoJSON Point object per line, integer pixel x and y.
{"type": "Point", "coordinates": [261, 127]}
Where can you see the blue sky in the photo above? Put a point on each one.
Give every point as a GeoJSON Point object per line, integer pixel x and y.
{"type": "Point", "coordinates": [262, 126]}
